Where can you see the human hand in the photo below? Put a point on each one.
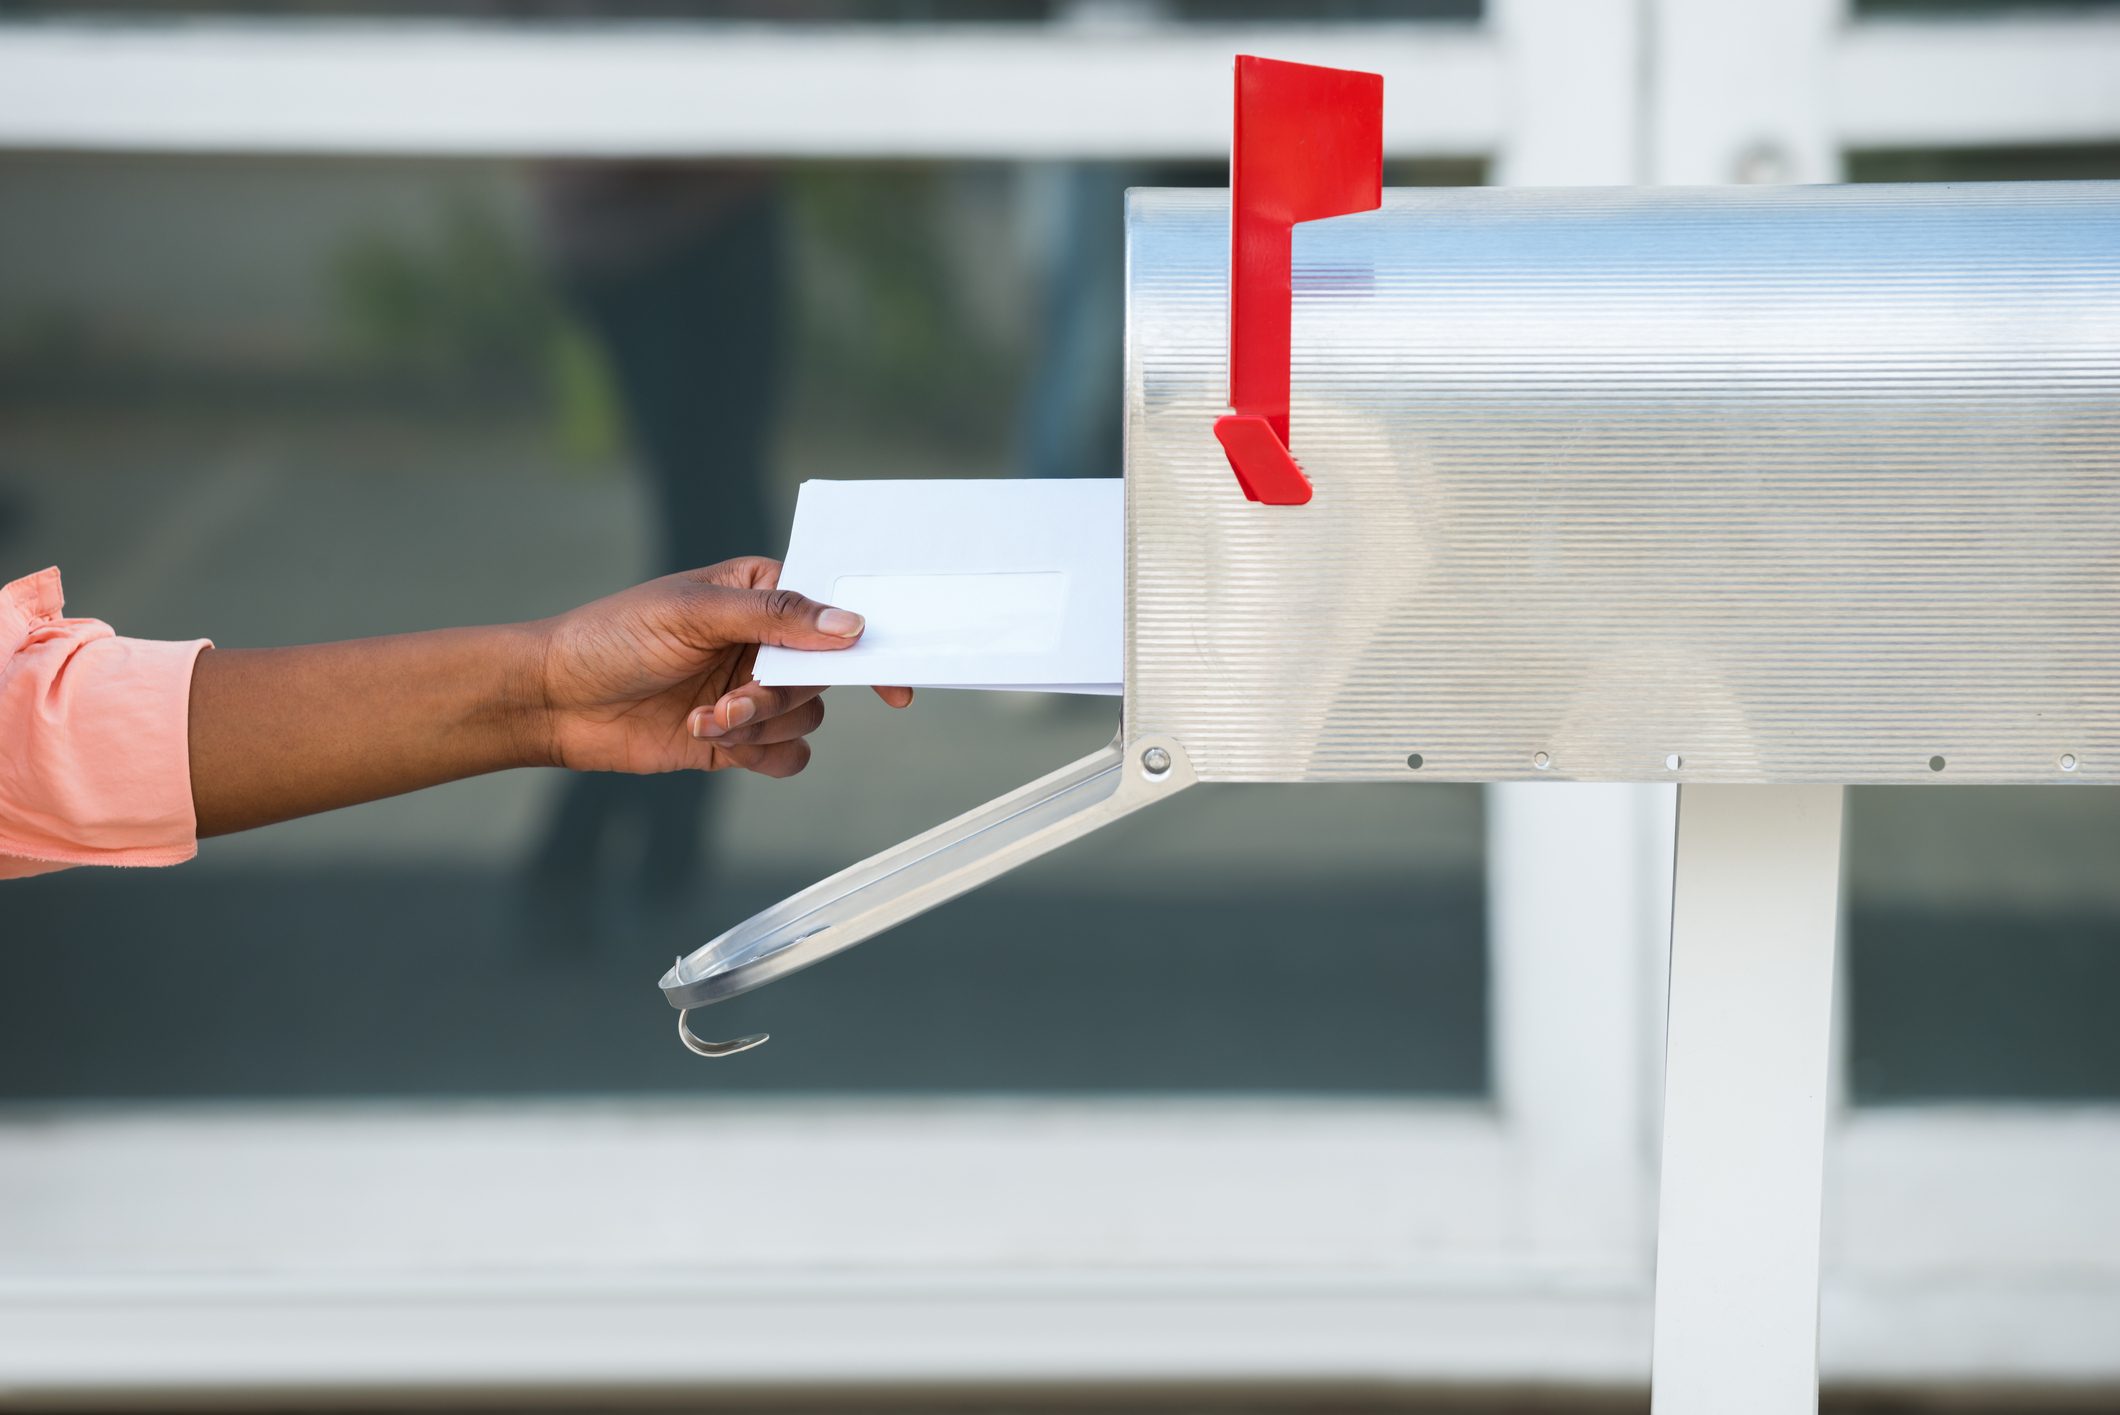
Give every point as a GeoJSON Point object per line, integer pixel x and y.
{"type": "Point", "coordinates": [658, 677]}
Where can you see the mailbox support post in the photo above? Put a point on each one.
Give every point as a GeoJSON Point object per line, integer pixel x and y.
{"type": "Point", "coordinates": [1755, 912]}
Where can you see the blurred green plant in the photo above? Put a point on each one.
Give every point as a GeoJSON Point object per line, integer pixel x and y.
{"type": "Point", "coordinates": [588, 424]}
{"type": "Point", "coordinates": [468, 313]}
{"type": "Point", "coordinates": [881, 307]}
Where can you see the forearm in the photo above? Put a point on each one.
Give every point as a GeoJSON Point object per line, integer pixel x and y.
{"type": "Point", "coordinates": [280, 733]}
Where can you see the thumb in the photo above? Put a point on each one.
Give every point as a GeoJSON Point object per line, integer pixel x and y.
{"type": "Point", "coordinates": [787, 620]}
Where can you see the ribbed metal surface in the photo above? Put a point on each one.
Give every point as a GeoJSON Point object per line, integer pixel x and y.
{"type": "Point", "coordinates": [1796, 484]}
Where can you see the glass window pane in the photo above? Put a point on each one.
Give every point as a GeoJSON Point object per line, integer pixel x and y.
{"type": "Point", "coordinates": [279, 401]}
{"type": "Point", "coordinates": [2087, 162]}
{"type": "Point", "coordinates": [1869, 9]}
{"type": "Point", "coordinates": [1983, 943]}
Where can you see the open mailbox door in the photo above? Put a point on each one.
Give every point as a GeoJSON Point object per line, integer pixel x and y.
{"type": "Point", "coordinates": [885, 890]}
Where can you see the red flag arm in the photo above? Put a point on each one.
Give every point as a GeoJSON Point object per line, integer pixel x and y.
{"type": "Point", "coordinates": [1309, 143]}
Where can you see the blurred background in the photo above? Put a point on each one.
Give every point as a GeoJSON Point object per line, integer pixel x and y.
{"type": "Point", "coordinates": [339, 318]}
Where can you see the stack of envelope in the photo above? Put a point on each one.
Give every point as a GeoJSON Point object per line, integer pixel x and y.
{"type": "Point", "coordinates": [1013, 585]}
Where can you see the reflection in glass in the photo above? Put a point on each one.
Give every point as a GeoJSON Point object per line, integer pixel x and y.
{"type": "Point", "coordinates": [2053, 163]}
{"type": "Point", "coordinates": [676, 268]}
{"type": "Point", "coordinates": [275, 401]}
{"type": "Point", "coordinates": [1983, 943]}
{"type": "Point", "coordinates": [1867, 9]}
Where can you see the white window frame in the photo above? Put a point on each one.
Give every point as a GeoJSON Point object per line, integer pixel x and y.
{"type": "Point", "coordinates": [1781, 91]}
{"type": "Point", "coordinates": [1098, 88]}
{"type": "Point", "coordinates": [664, 1245]}
{"type": "Point", "coordinates": [659, 1244]}
{"type": "Point", "coordinates": [1963, 1242]}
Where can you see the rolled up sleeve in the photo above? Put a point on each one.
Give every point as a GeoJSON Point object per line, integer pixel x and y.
{"type": "Point", "coordinates": [96, 766]}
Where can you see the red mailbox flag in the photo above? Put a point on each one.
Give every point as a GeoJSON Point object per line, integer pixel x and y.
{"type": "Point", "coordinates": [1309, 143]}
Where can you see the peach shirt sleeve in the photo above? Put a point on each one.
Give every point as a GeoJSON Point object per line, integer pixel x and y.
{"type": "Point", "coordinates": [95, 762]}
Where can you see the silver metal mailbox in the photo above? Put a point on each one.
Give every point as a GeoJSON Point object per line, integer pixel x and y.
{"type": "Point", "coordinates": [1767, 485]}
{"type": "Point", "coordinates": [1726, 484]}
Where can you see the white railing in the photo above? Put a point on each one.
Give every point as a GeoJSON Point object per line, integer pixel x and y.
{"type": "Point", "coordinates": [702, 90]}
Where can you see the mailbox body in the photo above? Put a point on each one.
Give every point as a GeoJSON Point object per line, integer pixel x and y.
{"type": "Point", "coordinates": [1805, 484]}
{"type": "Point", "coordinates": [1747, 485]}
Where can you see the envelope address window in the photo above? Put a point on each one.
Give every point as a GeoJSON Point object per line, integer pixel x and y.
{"type": "Point", "coordinates": [1008, 613]}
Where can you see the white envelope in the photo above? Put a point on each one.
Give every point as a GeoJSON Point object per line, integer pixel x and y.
{"type": "Point", "coordinates": [1012, 585]}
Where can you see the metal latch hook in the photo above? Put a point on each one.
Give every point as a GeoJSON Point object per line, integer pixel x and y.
{"type": "Point", "coordinates": [698, 1047]}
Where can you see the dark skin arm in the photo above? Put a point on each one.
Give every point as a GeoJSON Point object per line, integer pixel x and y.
{"type": "Point", "coordinates": [657, 678]}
